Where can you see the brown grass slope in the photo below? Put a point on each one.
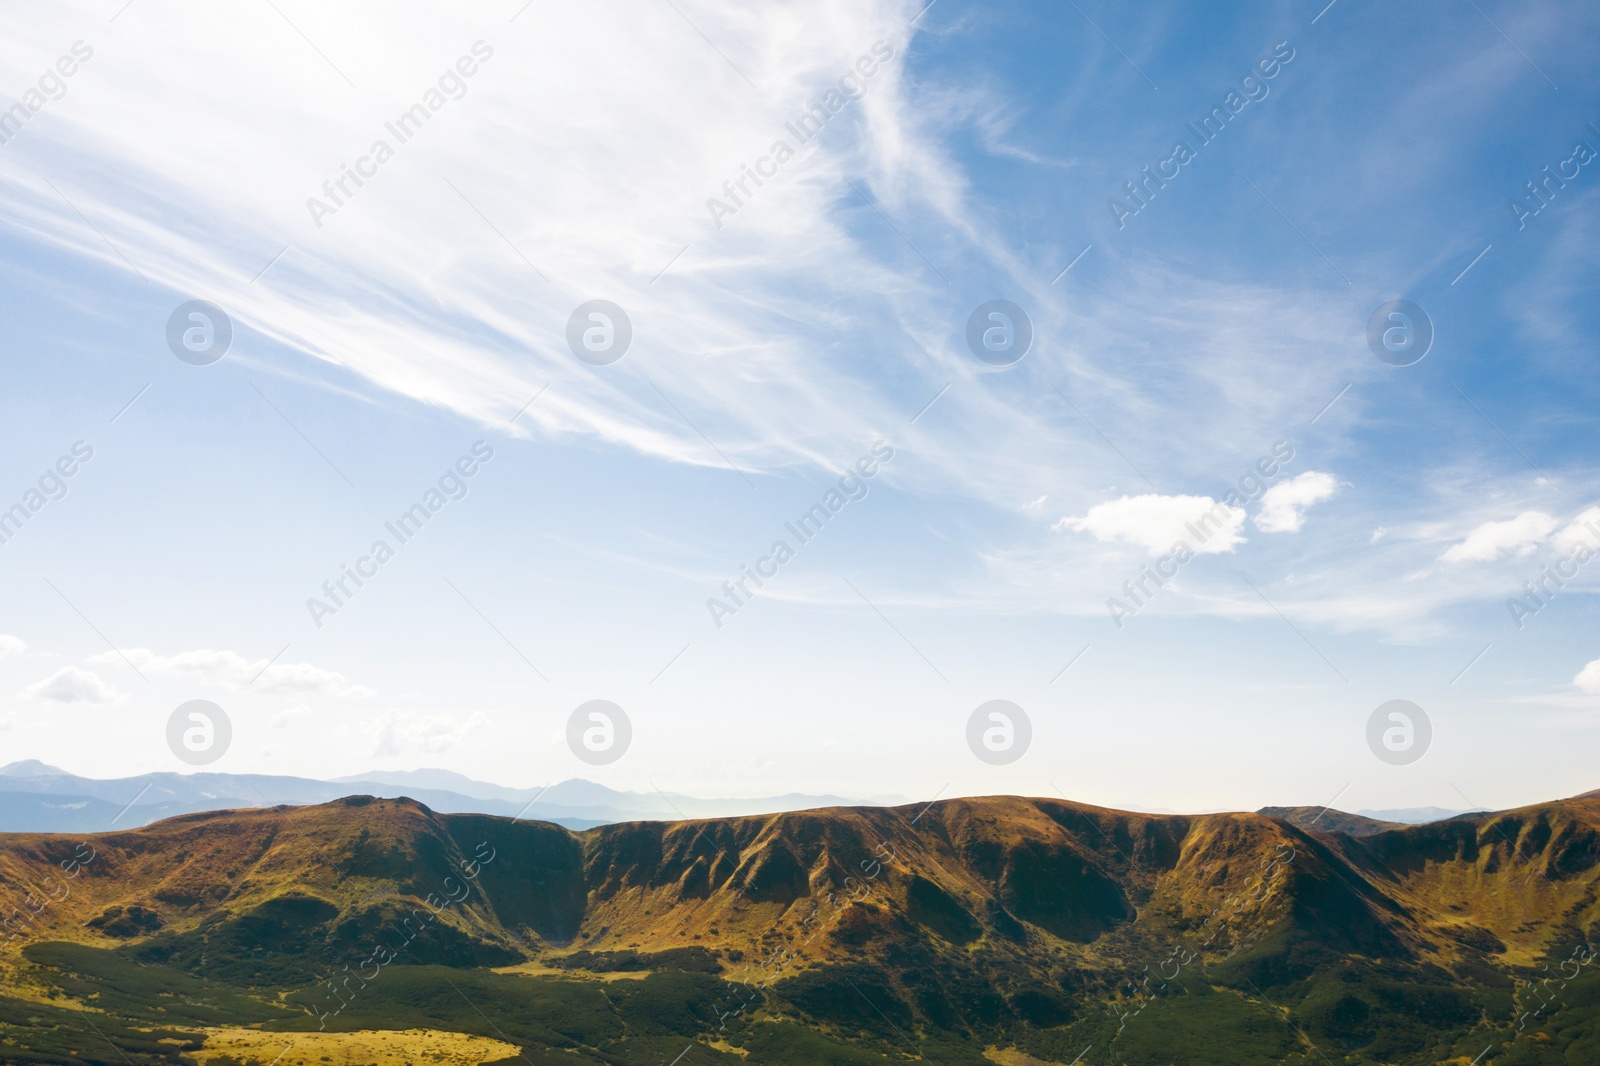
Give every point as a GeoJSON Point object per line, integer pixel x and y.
{"type": "Point", "coordinates": [1046, 881]}
{"type": "Point", "coordinates": [1518, 884]}
{"type": "Point", "coordinates": [292, 879]}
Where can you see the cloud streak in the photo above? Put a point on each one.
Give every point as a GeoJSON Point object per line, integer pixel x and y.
{"type": "Point", "coordinates": [233, 671]}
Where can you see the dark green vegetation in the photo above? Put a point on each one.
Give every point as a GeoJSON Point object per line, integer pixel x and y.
{"type": "Point", "coordinates": [1020, 927]}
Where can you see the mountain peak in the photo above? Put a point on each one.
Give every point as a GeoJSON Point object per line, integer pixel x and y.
{"type": "Point", "coordinates": [31, 768]}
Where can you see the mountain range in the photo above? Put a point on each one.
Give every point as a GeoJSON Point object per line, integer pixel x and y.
{"type": "Point", "coordinates": [37, 797]}
{"type": "Point", "coordinates": [967, 931]}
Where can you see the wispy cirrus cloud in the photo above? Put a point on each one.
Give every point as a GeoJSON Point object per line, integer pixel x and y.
{"type": "Point", "coordinates": [750, 330]}
{"type": "Point", "coordinates": [447, 278]}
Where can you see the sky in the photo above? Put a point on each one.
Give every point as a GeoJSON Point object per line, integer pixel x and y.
{"type": "Point", "coordinates": [1293, 319]}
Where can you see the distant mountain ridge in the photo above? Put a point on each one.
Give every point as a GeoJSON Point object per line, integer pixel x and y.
{"type": "Point", "coordinates": [1363, 823]}
{"type": "Point", "coordinates": [1419, 815]}
{"type": "Point", "coordinates": [40, 798]}
{"type": "Point", "coordinates": [37, 797]}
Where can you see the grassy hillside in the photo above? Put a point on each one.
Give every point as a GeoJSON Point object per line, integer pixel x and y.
{"type": "Point", "coordinates": [972, 931]}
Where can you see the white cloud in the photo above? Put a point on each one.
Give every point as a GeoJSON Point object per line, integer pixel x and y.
{"type": "Point", "coordinates": [1156, 523]}
{"type": "Point", "coordinates": [282, 718]}
{"type": "Point", "coordinates": [744, 324]}
{"type": "Point", "coordinates": [234, 671]}
{"type": "Point", "coordinates": [10, 646]}
{"type": "Point", "coordinates": [1284, 505]}
{"type": "Point", "coordinates": [1036, 504]}
{"type": "Point", "coordinates": [1588, 678]}
{"type": "Point", "coordinates": [651, 123]}
{"type": "Point", "coordinates": [1515, 536]}
{"type": "Point", "coordinates": [1583, 531]}
{"type": "Point", "coordinates": [405, 732]}
{"type": "Point", "coordinates": [72, 685]}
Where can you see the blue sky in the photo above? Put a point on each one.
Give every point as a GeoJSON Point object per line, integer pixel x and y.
{"type": "Point", "coordinates": [775, 346]}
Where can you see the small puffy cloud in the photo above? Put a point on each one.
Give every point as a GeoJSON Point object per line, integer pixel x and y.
{"type": "Point", "coordinates": [72, 685]}
{"type": "Point", "coordinates": [1036, 504]}
{"type": "Point", "coordinates": [234, 671]}
{"type": "Point", "coordinates": [1156, 523]}
{"type": "Point", "coordinates": [1515, 536]}
{"type": "Point", "coordinates": [10, 646]}
{"type": "Point", "coordinates": [1588, 678]}
{"type": "Point", "coordinates": [284, 717]}
{"type": "Point", "coordinates": [402, 732]}
{"type": "Point", "coordinates": [1284, 505]}
{"type": "Point", "coordinates": [284, 679]}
